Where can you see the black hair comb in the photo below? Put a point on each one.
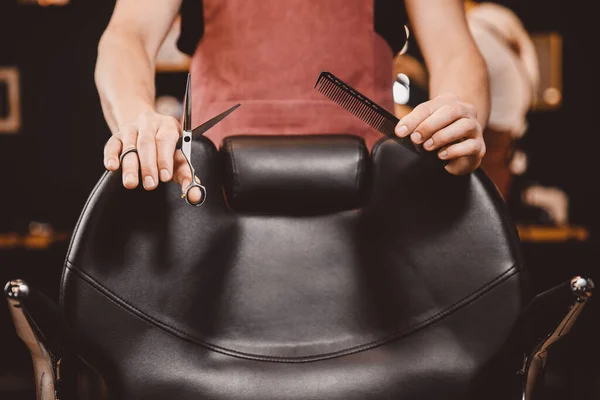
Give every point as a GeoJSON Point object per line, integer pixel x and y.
{"type": "Point", "coordinates": [364, 108]}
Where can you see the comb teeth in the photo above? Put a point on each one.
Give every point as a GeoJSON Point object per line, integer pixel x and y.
{"type": "Point", "coordinates": [356, 103]}
{"type": "Point", "coordinates": [367, 110]}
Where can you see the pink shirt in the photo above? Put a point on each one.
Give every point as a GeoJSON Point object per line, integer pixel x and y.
{"type": "Point", "coordinates": [267, 55]}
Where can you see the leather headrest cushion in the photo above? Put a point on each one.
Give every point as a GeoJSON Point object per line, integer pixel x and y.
{"type": "Point", "coordinates": [294, 174]}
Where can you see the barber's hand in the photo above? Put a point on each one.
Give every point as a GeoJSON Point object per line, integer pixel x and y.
{"type": "Point", "coordinates": [449, 127]}
{"type": "Point", "coordinates": [155, 138]}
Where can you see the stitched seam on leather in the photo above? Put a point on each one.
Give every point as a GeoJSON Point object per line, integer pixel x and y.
{"type": "Point", "coordinates": [142, 315]}
{"type": "Point", "coordinates": [351, 350]}
{"type": "Point", "coordinates": [453, 308]}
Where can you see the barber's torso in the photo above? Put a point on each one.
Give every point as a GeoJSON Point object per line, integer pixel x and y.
{"type": "Point", "coordinates": [267, 55]}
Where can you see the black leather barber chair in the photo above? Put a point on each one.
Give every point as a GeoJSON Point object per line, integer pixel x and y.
{"type": "Point", "coordinates": [312, 271]}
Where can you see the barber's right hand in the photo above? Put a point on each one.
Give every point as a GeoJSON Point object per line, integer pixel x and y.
{"type": "Point", "coordinates": [155, 137]}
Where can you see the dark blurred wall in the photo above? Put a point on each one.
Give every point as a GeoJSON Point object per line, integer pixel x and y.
{"type": "Point", "coordinates": [51, 165]}
{"type": "Point", "coordinates": [563, 153]}
{"type": "Point", "coordinates": [561, 143]}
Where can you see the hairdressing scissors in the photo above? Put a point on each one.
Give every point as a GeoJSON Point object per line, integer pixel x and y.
{"type": "Point", "coordinates": [185, 141]}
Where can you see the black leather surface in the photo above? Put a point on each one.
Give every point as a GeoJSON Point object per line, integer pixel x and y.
{"type": "Point", "coordinates": [412, 296]}
{"type": "Point", "coordinates": [294, 174]}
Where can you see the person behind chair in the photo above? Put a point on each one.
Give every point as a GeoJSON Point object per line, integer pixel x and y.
{"type": "Point", "coordinates": [266, 55]}
{"type": "Point", "coordinates": [514, 79]}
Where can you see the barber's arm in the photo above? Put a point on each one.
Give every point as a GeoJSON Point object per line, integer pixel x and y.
{"type": "Point", "coordinates": [125, 75]}
{"type": "Point", "coordinates": [452, 121]}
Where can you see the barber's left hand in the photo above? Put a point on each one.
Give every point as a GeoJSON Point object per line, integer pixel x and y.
{"type": "Point", "coordinates": [448, 126]}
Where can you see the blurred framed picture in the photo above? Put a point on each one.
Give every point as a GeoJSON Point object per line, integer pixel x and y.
{"type": "Point", "coordinates": [548, 46]}
{"type": "Point", "coordinates": [10, 103]}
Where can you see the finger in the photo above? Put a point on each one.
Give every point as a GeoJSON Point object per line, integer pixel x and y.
{"type": "Point", "coordinates": [469, 147]}
{"type": "Point", "coordinates": [194, 195]}
{"type": "Point", "coordinates": [112, 150]}
{"type": "Point", "coordinates": [407, 125]}
{"type": "Point", "coordinates": [439, 119]}
{"type": "Point", "coordinates": [463, 157]}
{"type": "Point", "coordinates": [462, 165]}
{"type": "Point", "coordinates": [166, 140]}
{"type": "Point", "coordinates": [181, 170]}
{"type": "Point", "coordinates": [183, 175]}
{"type": "Point", "coordinates": [146, 145]}
{"type": "Point", "coordinates": [463, 128]}
{"type": "Point", "coordinates": [130, 164]}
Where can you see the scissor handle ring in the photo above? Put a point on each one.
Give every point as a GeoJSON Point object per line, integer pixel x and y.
{"type": "Point", "coordinates": [202, 194]}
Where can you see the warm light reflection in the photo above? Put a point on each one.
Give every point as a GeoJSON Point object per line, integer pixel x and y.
{"type": "Point", "coordinates": [46, 3]}
{"type": "Point", "coordinates": [552, 96]}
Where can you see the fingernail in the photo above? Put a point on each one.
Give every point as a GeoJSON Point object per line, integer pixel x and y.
{"type": "Point", "coordinates": [164, 175]}
{"type": "Point", "coordinates": [148, 182]}
{"type": "Point", "coordinates": [401, 130]}
{"type": "Point", "coordinates": [128, 179]}
{"type": "Point", "coordinates": [443, 154]}
{"type": "Point", "coordinates": [111, 163]}
{"type": "Point", "coordinates": [428, 143]}
{"type": "Point", "coordinates": [416, 137]}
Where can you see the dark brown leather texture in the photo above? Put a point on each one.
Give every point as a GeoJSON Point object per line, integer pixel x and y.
{"type": "Point", "coordinates": [409, 293]}
{"type": "Point", "coordinates": [294, 174]}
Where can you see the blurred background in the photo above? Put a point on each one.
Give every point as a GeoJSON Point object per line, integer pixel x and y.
{"type": "Point", "coordinates": [52, 134]}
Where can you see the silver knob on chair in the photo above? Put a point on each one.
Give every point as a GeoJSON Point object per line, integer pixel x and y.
{"type": "Point", "coordinates": [582, 288]}
{"type": "Point", "coordinates": [16, 289]}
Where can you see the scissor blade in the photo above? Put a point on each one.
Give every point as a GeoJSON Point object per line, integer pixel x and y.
{"type": "Point", "coordinates": [187, 105]}
{"type": "Point", "coordinates": [199, 131]}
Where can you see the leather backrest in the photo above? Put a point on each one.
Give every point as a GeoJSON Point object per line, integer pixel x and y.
{"type": "Point", "coordinates": [411, 296]}
{"type": "Point", "coordinates": [294, 174]}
